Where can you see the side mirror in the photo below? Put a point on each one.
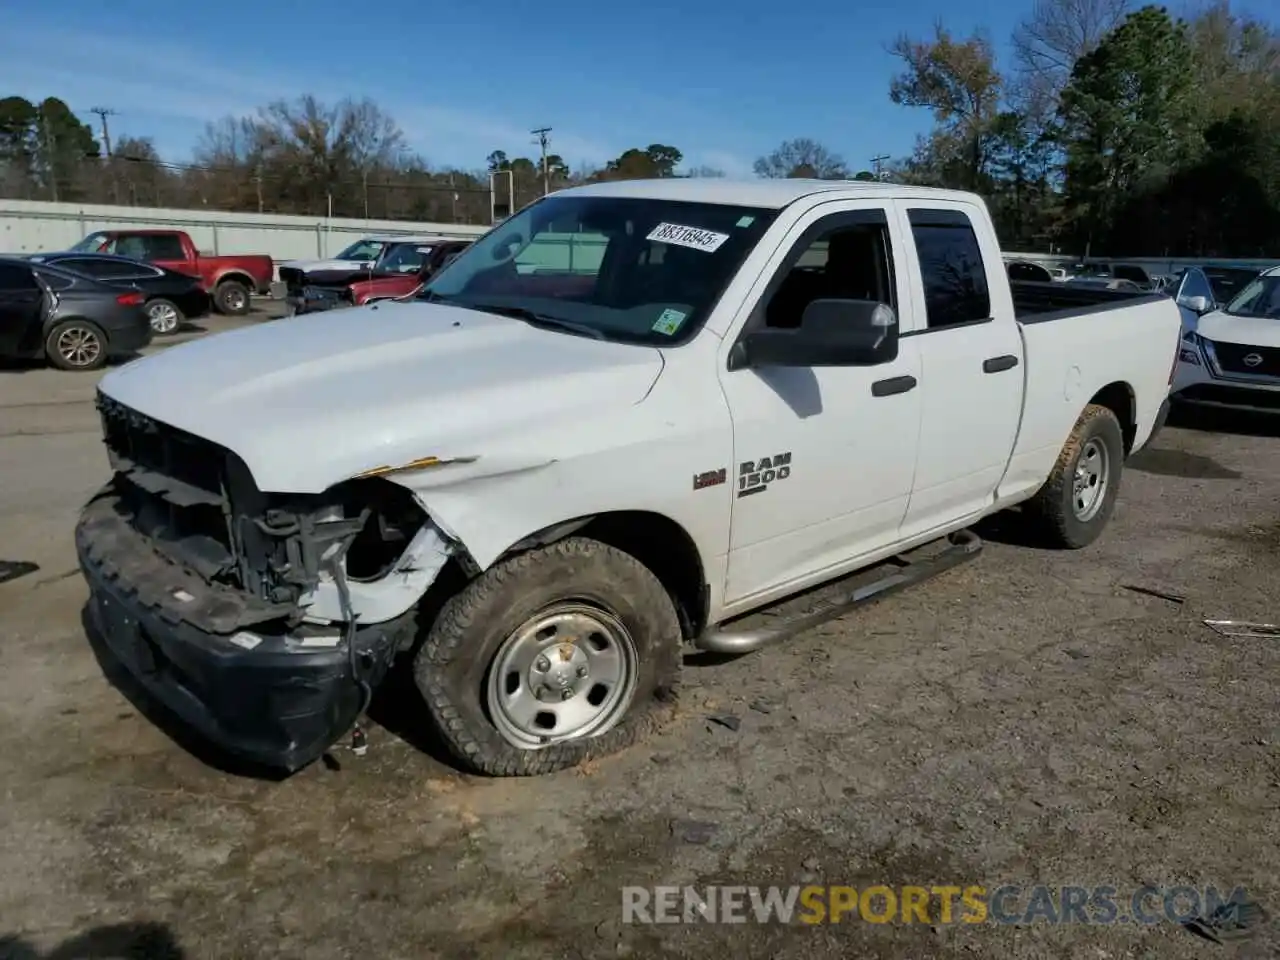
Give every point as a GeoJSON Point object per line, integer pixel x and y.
{"type": "Point", "coordinates": [832, 333]}
{"type": "Point", "coordinates": [1198, 305]}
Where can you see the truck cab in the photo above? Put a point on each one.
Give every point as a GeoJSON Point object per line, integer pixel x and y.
{"type": "Point", "coordinates": [534, 487]}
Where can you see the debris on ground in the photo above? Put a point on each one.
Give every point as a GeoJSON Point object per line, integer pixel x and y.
{"type": "Point", "coordinates": [694, 831]}
{"type": "Point", "coordinates": [1234, 920]}
{"type": "Point", "coordinates": [1243, 628]}
{"type": "Point", "coordinates": [727, 720]}
{"type": "Point", "coordinates": [760, 705]}
{"type": "Point", "coordinates": [13, 569]}
{"type": "Point", "coordinates": [1153, 592]}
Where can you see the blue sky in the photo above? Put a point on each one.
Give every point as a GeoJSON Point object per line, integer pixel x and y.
{"type": "Point", "coordinates": [723, 81]}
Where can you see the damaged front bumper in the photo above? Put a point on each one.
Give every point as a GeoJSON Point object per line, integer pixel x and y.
{"type": "Point", "coordinates": [231, 666]}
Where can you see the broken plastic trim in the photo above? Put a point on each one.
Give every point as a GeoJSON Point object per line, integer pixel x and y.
{"type": "Point", "coordinates": [1242, 628]}
{"type": "Point", "coordinates": [422, 463]}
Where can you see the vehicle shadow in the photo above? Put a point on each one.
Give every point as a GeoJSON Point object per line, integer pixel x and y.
{"type": "Point", "coordinates": [1242, 423]}
{"type": "Point", "coordinates": [174, 727]}
{"type": "Point", "coordinates": [121, 941]}
{"type": "Point", "coordinates": [1012, 528]}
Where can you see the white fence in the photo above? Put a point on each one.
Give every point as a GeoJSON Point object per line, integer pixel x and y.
{"type": "Point", "coordinates": [30, 226]}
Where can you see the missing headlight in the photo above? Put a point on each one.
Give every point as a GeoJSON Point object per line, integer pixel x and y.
{"type": "Point", "coordinates": [392, 518]}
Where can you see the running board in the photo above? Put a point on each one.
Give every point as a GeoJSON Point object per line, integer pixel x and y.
{"type": "Point", "coordinates": [817, 606]}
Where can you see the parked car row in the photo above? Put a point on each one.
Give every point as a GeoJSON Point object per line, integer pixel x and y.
{"type": "Point", "coordinates": [377, 268]}
{"type": "Point", "coordinates": [172, 282]}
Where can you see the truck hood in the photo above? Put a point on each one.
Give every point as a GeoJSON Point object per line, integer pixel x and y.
{"type": "Point", "coordinates": [313, 266]}
{"type": "Point", "coordinates": [309, 401]}
{"type": "Point", "coordinates": [1247, 331]}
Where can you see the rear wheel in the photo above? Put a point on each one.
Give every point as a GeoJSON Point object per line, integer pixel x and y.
{"type": "Point", "coordinates": [164, 315]}
{"type": "Point", "coordinates": [231, 298]}
{"type": "Point", "coordinates": [550, 658]}
{"type": "Point", "coordinates": [76, 345]}
{"type": "Point", "coordinates": [1076, 502]}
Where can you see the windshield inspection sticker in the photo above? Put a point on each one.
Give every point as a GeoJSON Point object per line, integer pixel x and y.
{"type": "Point", "coordinates": [694, 238]}
{"type": "Point", "coordinates": [668, 321]}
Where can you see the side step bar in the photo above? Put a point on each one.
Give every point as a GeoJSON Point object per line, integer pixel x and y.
{"type": "Point", "coordinates": [903, 571]}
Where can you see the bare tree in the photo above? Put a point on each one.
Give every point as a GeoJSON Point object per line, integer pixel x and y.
{"type": "Point", "coordinates": [802, 158]}
{"type": "Point", "coordinates": [1047, 44]}
{"type": "Point", "coordinates": [957, 81]}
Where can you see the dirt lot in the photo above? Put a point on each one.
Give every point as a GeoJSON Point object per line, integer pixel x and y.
{"type": "Point", "coordinates": [1023, 719]}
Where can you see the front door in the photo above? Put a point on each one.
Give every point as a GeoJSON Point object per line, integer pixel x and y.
{"type": "Point", "coordinates": [21, 307]}
{"type": "Point", "coordinates": [823, 456]}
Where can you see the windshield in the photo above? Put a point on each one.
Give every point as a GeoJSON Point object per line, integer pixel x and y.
{"type": "Point", "coordinates": [362, 250]}
{"type": "Point", "coordinates": [1259, 299]}
{"type": "Point", "coordinates": [404, 258]}
{"type": "Point", "coordinates": [91, 244]}
{"type": "Point", "coordinates": [619, 268]}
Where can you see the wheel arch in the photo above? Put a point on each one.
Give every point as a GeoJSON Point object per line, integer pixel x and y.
{"type": "Point", "coordinates": [660, 543]}
{"type": "Point", "coordinates": [1119, 398]}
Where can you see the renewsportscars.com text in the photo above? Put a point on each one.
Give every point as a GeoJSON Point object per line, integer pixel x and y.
{"type": "Point", "coordinates": [973, 904]}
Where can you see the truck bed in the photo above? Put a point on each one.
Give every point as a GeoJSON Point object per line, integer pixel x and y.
{"type": "Point", "coordinates": [1034, 302]}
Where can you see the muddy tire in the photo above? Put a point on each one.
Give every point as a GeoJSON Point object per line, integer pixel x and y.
{"type": "Point", "coordinates": [550, 658]}
{"type": "Point", "coordinates": [76, 345]}
{"type": "Point", "coordinates": [232, 298]}
{"type": "Point", "coordinates": [1075, 504]}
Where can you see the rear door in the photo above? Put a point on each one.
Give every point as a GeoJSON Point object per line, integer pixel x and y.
{"type": "Point", "coordinates": [971, 360]}
{"type": "Point", "coordinates": [21, 305]}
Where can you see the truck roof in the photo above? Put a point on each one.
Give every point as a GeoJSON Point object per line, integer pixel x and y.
{"type": "Point", "coordinates": [415, 238]}
{"type": "Point", "coordinates": [771, 194]}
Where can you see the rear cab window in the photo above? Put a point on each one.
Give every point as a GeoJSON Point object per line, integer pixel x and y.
{"type": "Point", "coordinates": [952, 267]}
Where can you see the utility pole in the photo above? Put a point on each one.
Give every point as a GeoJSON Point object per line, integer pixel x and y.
{"type": "Point", "coordinates": [543, 140]}
{"type": "Point", "coordinates": [103, 113]}
{"type": "Point", "coordinates": [877, 163]}
{"type": "Point", "coordinates": [50, 153]}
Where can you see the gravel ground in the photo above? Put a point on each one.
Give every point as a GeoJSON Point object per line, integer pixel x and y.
{"type": "Point", "coordinates": [1023, 719]}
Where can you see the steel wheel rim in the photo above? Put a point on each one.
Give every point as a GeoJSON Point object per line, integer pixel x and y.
{"type": "Point", "coordinates": [1089, 486]}
{"type": "Point", "coordinates": [164, 318]}
{"type": "Point", "coordinates": [79, 346]}
{"type": "Point", "coordinates": [566, 673]}
{"type": "Point", "coordinates": [234, 299]}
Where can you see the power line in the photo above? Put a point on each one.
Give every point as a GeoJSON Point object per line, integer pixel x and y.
{"type": "Point", "coordinates": [543, 140]}
{"type": "Point", "coordinates": [877, 163]}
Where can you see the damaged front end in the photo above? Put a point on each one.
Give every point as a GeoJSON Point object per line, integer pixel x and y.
{"type": "Point", "coordinates": [264, 620]}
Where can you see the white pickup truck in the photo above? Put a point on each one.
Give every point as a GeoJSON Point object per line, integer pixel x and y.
{"type": "Point", "coordinates": [539, 486]}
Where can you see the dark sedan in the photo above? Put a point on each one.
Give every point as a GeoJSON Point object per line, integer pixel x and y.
{"type": "Point", "coordinates": [172, 297]}
{"type": "Point", "coordinates": [73, 321]}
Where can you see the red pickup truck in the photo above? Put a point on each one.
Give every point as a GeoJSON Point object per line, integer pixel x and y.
{"type": "Point", "coordinates": [231, 280]}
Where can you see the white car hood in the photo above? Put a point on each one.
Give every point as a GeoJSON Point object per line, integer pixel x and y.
{"type": "Point", "coordinates": [309, 401]}
{"type": "Point", "coordinates": [1249, 331]}
{"type": "Point", "coordinates": [312, 266]}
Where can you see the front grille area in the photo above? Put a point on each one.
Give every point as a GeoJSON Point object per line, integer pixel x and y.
{"type": "Point", "coordinates": [173, 484]}
{"type": "Point", "coordinates": [292, 278]}
{"type": "Point", "coordinates": [1232, 358]}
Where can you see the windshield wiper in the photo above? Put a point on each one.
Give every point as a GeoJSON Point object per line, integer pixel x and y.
{"type": "Point", "coordinates": [536, 319]}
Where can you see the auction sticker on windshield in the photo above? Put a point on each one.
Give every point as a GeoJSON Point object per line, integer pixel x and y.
{"type": "Point", "coordinates": [669, 321]}
{"type": "Point", "coordinates": [692, 237]}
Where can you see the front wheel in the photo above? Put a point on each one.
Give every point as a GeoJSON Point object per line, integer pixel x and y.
{"type": "Point", "coordinates": [232, 298]}
{"type": "Point", "coordinates": [1076, 502]}
{"type": "Point", "coordinates": [550, 658]}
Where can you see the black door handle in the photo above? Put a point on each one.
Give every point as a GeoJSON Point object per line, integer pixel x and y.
{"type": "Point", "coordinates": [887, 388]}
{"type": "Point", "coordinates": [996, 364]}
